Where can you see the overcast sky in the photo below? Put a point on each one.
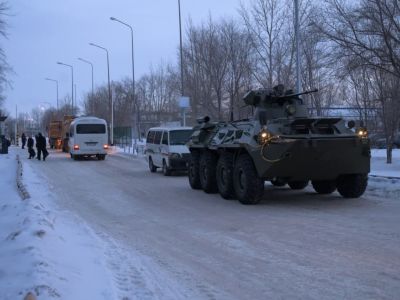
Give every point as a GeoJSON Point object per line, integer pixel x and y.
{"type": "Point", "coordinates": [42, 32]}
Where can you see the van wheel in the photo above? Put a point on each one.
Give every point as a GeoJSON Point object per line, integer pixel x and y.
{"type": "Point", "coordinates": [224, 176]}
{"type": "Point", "coordinates": [75, 157]}
{"type": "Point", "coordinates": [152, 167]}
{"type": "Point", "coordinates": [194, 170]}
{"type": "Point", "coordinates": [208, 172]}
{"type": "Point", "coordinates": [249, 187]}
{"type": "Point", "coordinates": [166, 171]}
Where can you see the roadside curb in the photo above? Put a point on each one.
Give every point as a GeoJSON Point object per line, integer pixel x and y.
{"type": "Point", "coordinates": [21, 187]}
{"type": "Point", "coordinates": [385, 177]}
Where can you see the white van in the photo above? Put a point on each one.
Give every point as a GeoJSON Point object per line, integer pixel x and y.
{"type": "Point", "coordinates": [88, 137]}
{"type": "Point", "coordinates": [166, 149]}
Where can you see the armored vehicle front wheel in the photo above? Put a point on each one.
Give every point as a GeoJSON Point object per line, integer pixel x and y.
{"type": "Point", "coordinates": [194, 170]}
{"type": "Point", "coordinates": [352, 185]}
{"type": "Point", "coordinates": [298, 185]}
{"type": "Point", "coordinates": [278, 182]}
{"type": "Point", "coordinates": [208, 166]}
{"type": "Point", "coordinates": [152, 167]}
{"type": "Point", "coordinates": [324, 186]}
{"type": "Point", "coordinates": [249, 188]}
{"type": "Point", "coordinates": [224, 176]}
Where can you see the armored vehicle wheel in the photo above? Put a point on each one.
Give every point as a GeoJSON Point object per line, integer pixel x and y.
{"type": "Point", "coordinates": [298, 185]}
{"type": "Point", "coordinates": [208, 172]}
{"type": "Point", "coordinates": [324, 186]}
{"type": "Point", "coordinates": [353, 185]}
{"type": "Point", "coordinates": [152, 167]}
{"type": "Point", "coordinates": [194, 170]}
{"type": "Point", "coordinates": [248, 186]}
{"type": "Point", "coordinates": [278, 182]}
{"type": "Point", "coordinates": [166, 171]}
{"type": "Point", "coordinates": [224, 176]}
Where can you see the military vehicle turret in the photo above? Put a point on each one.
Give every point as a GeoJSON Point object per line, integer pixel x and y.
{"type": "Point", "coordinates": [281, 144]}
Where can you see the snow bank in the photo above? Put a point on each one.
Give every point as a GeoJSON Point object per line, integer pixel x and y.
{"type": "Point", "coordinates": [44, 250]}
{"type": "Point", "coordinates": [379, 167]}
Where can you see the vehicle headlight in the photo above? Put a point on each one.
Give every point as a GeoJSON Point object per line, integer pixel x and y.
{"type": "Point", "coordinates": [290, 109]}
{"type": "Point", "coordinates": [264, 136]}
{"type": "Point", "coordinates": [174, 155]}
{"type": "Point", "coordinates": [362, 132]}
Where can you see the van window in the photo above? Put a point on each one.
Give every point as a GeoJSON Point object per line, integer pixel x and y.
{"type": "Point", "coordinates": [150, 137]}
{"type": "Point", "coordinates": [90, 129]}
{"type": "Point", "coordinates": [165, 138]}
{"type": "Point", "coordinates": [157, 138]}
{"type": "Point", "coordinates": [179, 137]}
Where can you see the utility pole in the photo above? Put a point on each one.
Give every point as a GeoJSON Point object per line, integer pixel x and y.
{"type": "Point", "coordinates": [297, 35]}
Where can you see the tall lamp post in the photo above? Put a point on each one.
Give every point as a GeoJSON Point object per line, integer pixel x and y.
{"type": "Point", "coordinates": [91, 65]}
{"type": "Point", "coordinates": [297, 34]}
{"type": "Point", "coordinates": [109, 92]}
{"type": "Point", "coordinates": [56, 81]}
{"type": "Point", "coordinates": [72, 85]}
{"type": "Point", "coordinates": [133, 76]}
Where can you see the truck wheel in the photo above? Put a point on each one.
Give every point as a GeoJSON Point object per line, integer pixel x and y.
{"type": "Point", "coordinates": [152, 167]}
{"type": "Point", "coordinates": [165, 170]}
{"type": "Point", "coordinates": [352, 185]}
{"type": "Point", "coordinates": [224, 176]}
{"type": "Point", "coordinates": [208, 172]}
{"type": "Point", "coordinates": [249, 188]}
{"type": "Point", "coordinates": [298, 185]}
{"type": "Point", "coordinates": [278, 182]}
{"type": "Point", "coordinates": [194, 170]}
{"type": "Point", "coordinates": [324, 186]}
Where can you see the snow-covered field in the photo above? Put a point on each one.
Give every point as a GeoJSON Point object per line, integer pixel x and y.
{"type": "Point", "coordinates": [52, 252]}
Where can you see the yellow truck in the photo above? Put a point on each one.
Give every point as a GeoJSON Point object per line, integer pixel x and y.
{"type": "Point", "coordinates": [55, 134]}
{"type": "Point", "coordinates": [65, 132]}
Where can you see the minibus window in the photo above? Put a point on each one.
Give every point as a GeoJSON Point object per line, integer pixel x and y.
{"type": "Point", "coordinates": [157, 138]}
{"type": "Point", "coordinates": [165, 138]}
{"type": "Point", "coordinates": [150, 137]}
{"type": "Point", "coordinates": [179, 137]}
{"type": "Point", "coordinates": [90, 129]}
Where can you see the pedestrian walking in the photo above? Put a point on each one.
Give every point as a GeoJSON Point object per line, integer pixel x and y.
{"type": "Point", "coordinates": [23, 139]}
{"type": "Point", "coordinates": [41, 147]}
{"type": "Point", "coordinates": [31, 152]}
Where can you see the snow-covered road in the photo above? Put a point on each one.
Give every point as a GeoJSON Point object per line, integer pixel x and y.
{"type": "Point", "coordinates": [167, 241]}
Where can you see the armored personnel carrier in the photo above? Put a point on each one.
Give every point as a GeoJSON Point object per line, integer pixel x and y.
{"type": "Point", "coordinates": [281, 144]}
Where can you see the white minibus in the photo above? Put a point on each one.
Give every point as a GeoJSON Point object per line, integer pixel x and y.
{"type": "Point", "coordinates": [88, 137]}
{"type": "Point", "coordinates": [166, 148]}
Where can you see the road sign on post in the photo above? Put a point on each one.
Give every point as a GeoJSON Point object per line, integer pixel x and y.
{"type": "Point", "coordinates": [184, 103]}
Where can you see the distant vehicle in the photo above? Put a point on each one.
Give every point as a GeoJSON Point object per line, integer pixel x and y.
{"type": "Point", "coordinates": [88, 137]}
{"type": "Point", "coordinates": [378, 141]}
{"type": "Point", "coordinates": [282, 144]}
{"type": "Point", "coordinates": [55, 134]}
{"type": "Point", "coordinates": [166, 149]}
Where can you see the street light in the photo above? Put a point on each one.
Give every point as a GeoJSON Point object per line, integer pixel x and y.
{"type": "Point", "coordinates": [297, 34]}
{"type": "Point", "coordinates": [133, 76]}
{"type": "Point", "coordinates": [56, 81]}
{"type": "Point", "coordinates": [72, 85]}
{"type": "Point", "coordinates": [109, 92]}
{"type": "Point", "coordinates": [91, 64]}
{"type": "Point", "coordinates": [180, 43]}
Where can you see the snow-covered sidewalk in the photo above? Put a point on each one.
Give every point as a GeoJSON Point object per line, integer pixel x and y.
{"type": "Point", "coordinates": [44, 250]}
{"type": "Point", "coordinates": [379, 167]}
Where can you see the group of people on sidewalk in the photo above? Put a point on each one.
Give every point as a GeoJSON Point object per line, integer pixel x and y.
{"type": "Point", "coordinates": [40, 146]}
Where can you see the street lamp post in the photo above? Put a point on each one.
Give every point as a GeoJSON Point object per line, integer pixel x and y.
{"type": "Point", "coordinates": [91, 64]}
{"type": "Point", "coordinates": [297, 34]}
{"type": "Point", "coordinates": [72, 85]}
{"type": "Point", "coordinates": [134, 102]}
{"type": "Point", "coordinates": [56, 81]}
{"type": "Point", "coordinates": [109, 92]}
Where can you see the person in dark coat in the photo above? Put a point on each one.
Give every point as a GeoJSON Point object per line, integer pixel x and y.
{"type": "Point", "coordinates": [23, 139]}
{"type": "Point", "coordinates": [31, 152]}
{"type": "Point", "coordinates": [41, 146]}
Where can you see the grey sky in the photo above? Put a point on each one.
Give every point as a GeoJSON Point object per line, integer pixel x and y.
{"type": "Point", "coordinates": [42, 32]}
